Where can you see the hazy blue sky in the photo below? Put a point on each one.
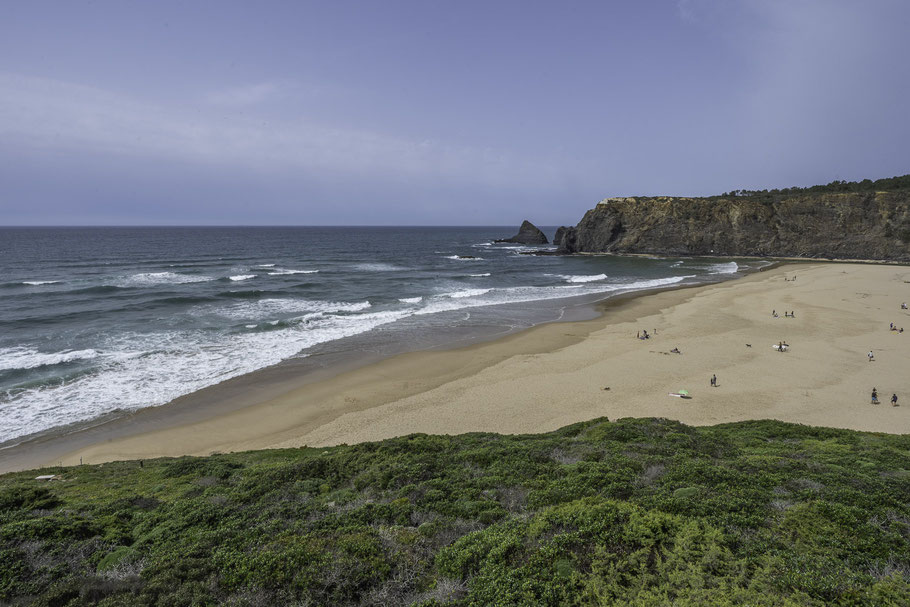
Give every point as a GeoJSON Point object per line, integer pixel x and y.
{"type": "Point", "coordinates": [432, 113]}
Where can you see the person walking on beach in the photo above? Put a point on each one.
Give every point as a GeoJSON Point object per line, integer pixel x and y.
{"type": "Point", "coordinates": [894, 400]}
{"type": "Point", "coordinates": [871, 356]}
{"type": "Point", "coordinates": [874, 396]}
{"type": "Point", "coordinates": [714, 381]}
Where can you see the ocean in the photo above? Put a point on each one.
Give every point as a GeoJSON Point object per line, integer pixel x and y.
{"type": "Point", "coordinates": [97, 322]}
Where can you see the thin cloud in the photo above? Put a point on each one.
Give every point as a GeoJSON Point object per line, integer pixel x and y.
{"type": "Point", "coordinates": [39, 113]}
{"type": "Point", "coordinates": [244, 96]}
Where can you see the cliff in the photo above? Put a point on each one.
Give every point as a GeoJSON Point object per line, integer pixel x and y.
{"type": "Point", "coordinates": [845, 225]}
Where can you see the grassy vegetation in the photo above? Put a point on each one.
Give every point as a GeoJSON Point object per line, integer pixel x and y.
{"type": "Point", "coordinates": [634, 512]}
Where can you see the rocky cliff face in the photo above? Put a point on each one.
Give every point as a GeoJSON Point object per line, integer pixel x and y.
{"type": "Point", "coordinates": [865, 225]}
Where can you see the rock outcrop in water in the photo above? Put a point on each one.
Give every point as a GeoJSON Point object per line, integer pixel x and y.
{"type": "Point", "coordinates": [835, 225]}
{"type": "Point", "coordinates": [528, 233]}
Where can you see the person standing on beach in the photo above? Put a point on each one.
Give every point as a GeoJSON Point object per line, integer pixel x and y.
{"type": "Point", "coordinates": [714, 380]}
{"type": "Point", "coordinates": [874, 396]}
{"type": "Point", "coordinates": [871, 356]}
{"type": "Point", "coordinates": [894, 400]}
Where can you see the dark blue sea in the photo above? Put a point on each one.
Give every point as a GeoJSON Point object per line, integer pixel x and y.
{"type": "Point", "coordinates": [102, 320]}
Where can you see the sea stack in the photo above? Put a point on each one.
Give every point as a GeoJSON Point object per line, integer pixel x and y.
{"type": "Point", "coordinates": [528, 233]}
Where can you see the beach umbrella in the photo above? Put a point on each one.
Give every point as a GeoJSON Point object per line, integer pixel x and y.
{"type": "Point", "coordinates": [683, 392]}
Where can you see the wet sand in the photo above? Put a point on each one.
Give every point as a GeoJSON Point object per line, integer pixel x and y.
{"type": "Point", "coordinates": [556, 374]}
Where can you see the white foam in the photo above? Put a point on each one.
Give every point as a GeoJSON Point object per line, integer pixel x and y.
{"type": "Point", "coordinates": [148, 369]}
{"type": "Point", "coordinates": [464, 258]}
{"type": "Point", "coordinates": [411, 300]}
{"type": "Point", "coordinates": [266, 265]}
{"type": "Point", "coordinates": [288, 272]}
{"type": "Point", "coordinates": [465, 293]}
{"type": "Point", "coordinates": [479, 275]}
{"type": "Point", "coordinates": [239, 277]}
{"type": "Point", "coordinates": [260, 309]}
{"type": "Point", "coordinates": [446, 303]}
{"type": "Point", "coordinates": [160, 278]}
{"type": "Point", "coordinates": [582, 277]}
{"type": "Point", "coordinates": [26, 358]}
{"type": "Point", "coordinates": [378, 267]}
{"type": "Point", "coordinates": [35, 283]}
{"type": "Point", "coordinates": [724, 268]}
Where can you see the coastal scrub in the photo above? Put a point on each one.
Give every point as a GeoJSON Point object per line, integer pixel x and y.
{"type": "Point", "coordinates": [633, 512]}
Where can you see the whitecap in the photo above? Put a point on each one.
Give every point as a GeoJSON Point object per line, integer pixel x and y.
{"type": "Point", "coordinates": [479, 275]}
{"type": "Point", "coordinates": [280, 272]}
{"type": "Point", "coordinates": [260, 309]}
{"type": "Point", "coordinates": [35, 283]}
{"type": "Point", "coordinates": [582, 277]}
{"type": "Point", "coordinates": [511, 295]}
{"type": "Point", "coordinates": [465, 293]}
{"type": "Point", "coordinates": [411, 300]}
{"type": "Point", "coordinates": [242, 277]}
{"type": "Point", "coordinates": [378, 267]}
{"type": "Point", "coordinates": [26, 358]}
{"type": "Point", "coordinates": [724, 268]}
{"type": "Point", "coordinates": [159, 278]}
{"type": "Point", "coordinates": [266, 265]}
{"type": "Point", "coordinates": [464, 257]}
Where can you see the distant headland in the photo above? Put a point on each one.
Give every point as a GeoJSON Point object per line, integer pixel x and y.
{"type": "Point", "coordinates": [841, 220]}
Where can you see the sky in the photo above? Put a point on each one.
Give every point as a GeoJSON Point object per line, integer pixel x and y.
{"type": "Point", "coordinates": [436, 113]}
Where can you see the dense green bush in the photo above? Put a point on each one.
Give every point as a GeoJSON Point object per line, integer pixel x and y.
{"type": "Point", "coordinates": [887, 184]}
{"type": "Point", "coordinates": [633, 512]}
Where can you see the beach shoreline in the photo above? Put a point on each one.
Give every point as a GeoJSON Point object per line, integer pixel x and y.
{"type": "Point", "coordinates": [555, 373]}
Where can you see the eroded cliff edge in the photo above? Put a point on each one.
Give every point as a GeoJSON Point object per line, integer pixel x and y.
{"type": "Point", "coordinates": [851, 225]}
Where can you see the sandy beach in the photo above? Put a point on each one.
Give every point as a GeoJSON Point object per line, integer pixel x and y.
{"type": "Point", "coordinates": [560, 373]}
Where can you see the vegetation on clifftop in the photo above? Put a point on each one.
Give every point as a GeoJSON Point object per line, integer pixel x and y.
{"type": "Point", "coordinates": [888, 184]}
{"type": "Point", "coordinates": [634, 512]}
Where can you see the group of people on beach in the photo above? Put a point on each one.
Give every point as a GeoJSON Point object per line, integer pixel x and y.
{"type": "Point", "coordinates": [791, 314]}
{"type": "Point", "coordinates": [875, 398]}
{"type": "Point", "coordinates": [871, 357]}
{"type": "Point", "coordinates": [643, 334]}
